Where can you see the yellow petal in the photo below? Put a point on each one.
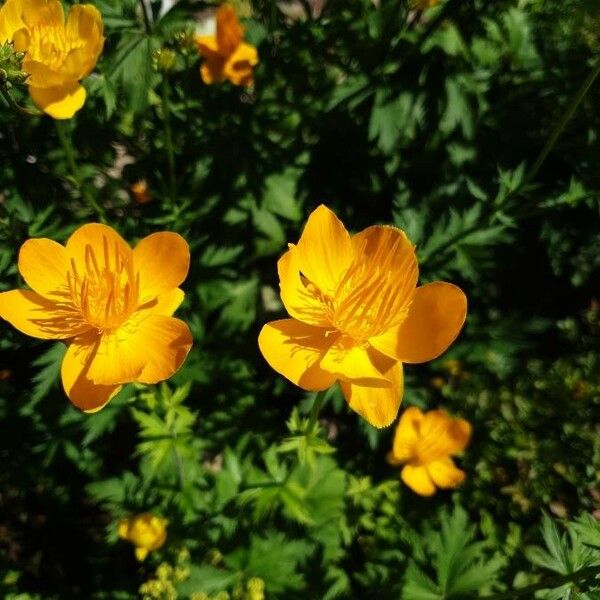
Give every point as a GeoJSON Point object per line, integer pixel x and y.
{"type": "Point", "coordinates": [102, 240]}
{"type": "Point", "coordinates": [229, 30]}
{"type": "Point", "coordinates": [407, 435]}
{"type": "Point", "coordinates": [146, 350]}
{"type": "Point", "coordinates": [351, 362]}
{"type": "Point", "coordinates": [123, 528]}
{"type": "Point", "coordinates": [207, 45]}
{"type": "Point", "coordinates": [141, 553]}
{"type": "Point", "coordinates": [20, 14]}
{"type": "Point", "coordinates": [39, 317]}
{"type": "Point", "coordinates": [376, 290]}
{"type": "Point", "coordinates": [165, 304]}
{"type": "Point", "coordinates": [442, 434]}
{"type": "Point", "coordinates": [60, 102]}
{"type": "Point", "coordinates": [445, 474]}
{"type": "Point", "coordinates": [418, 480]}
{"type": "Point", "coordinates": [239, 69]}
{"type": "Point", "coordinates": [212, 70]}
{"type": "Point", "coordinates": [41, 75]}
{"type": "Point", "coordinates": [300, 300]}
{"type": "Point", "coordinates": [294, 350]}
{"type": "Point", "coordinates": [379, 406]}
{"type": "Point", "coordinates": [162, 261]}
{"type": "Point", "coordinates": [44, 264]}
{"type": "Point", "coordinates": [324, 250]}
{"type": "Point", "coordinates": [81, 390]}
{"type": "Point", "coordinates": [435, 318]}
{"type": "Point", "coordinates": [84, 26]}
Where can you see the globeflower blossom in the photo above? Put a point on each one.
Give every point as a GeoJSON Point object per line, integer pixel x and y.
{"type": "Point", "coordinates": [112, 306]}
{"type": "Point", "coordinates": [357, 314]}
{"type": "Point", "coordinates": [145, 531]}
{"type": "Point", "coordinates": [58, 54]}
{"type": "Point", "coordinates": [424, 444]}
{"type": "Point", "coordinates": [226, 56]}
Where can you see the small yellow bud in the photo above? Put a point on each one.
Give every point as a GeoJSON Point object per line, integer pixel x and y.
{"type": "Point", "coordinates": [163, 60]}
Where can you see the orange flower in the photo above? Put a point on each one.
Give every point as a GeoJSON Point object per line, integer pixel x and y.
{"type": "Point", "coordinates": [358, 314]}
{"type": "Point", "coordinates": [140, 191]}
{"type": "Point", "coordinates": [58, 53]}
{"type": "Point", "coordinates": [225, 55]}
{"type": "Point", "coordinates": [424, 443]}
{"type": "Point", "coordinates": [112, 306]}
{"type": "Point", "coordinates": [146, 532]}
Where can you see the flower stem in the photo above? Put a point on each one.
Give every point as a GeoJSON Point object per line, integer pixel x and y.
{"type": "Point", "coordinates": [553, 582]}
{"type": "Point", "coordinates": [318, 403]}
{"type": "Point", "coordinates": [66, 141]}
{"type": "Point", "coordinates": [12, 103]}
{"type": "Point", "coordinates": [166, 114]}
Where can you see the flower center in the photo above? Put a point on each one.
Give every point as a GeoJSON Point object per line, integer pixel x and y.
{"type": "Point", "coordinates": [51, 46]}
{"type": "Point", "coordinates": [107, 291]}
{"type": "Point", "coordinates": [375, 292]}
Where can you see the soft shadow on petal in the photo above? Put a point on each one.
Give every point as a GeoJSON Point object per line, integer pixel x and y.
{"type": "Point", "coordinates": [44, 264]}
{"type": "Point", "coordinates": [353, 363]}
{"type": "Point", "coordinates": [418, 480]}
{"type": "Point", "coordinates": [435, 318]}
{"type": "Point", "coordinates": [39, 317]}
{"type": "Point", "coordinates": [445, 474]}
{"type": "Point", "coordinates": [60, 102]}
{"type": "Point", "coordinates": [379, 406]}
{"type": "Point", "coordinates": [407, 434]}
{"type": "Point", "coordinates": [165, 304]}
{"type": "Point", "coordinates": [162, 261]}
{"type": "Point", "coordinates": [443, 434]}
{"type": "Point", "coordinates": [82, 391]}
{"type": "Point", "coordinates": [301, 301]}
{"type": "Point", "coordinates": [324, 250]}
{"type": "Point", "coordinates": [294, 350]}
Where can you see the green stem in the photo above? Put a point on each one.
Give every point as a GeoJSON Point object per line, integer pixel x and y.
{"type": "Point", "coordinates": [562, 123]}
{"type": "Point", "coordinates": [147, 22]}
{"type": "Point", "coordinates": [66, 141]}
{"type": "Point", "coordinates": [318, 403]}
{"type": "Point", "coordinates": [12, 103]}
{"type": "Point", "coordinates": [553, 582]}
{"type": "Point", "coordinates": [166, 114]}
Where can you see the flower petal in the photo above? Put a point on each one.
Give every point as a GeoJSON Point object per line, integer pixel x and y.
{"type": "Point", "coordinates": [443, 434]}
{"type": "Point", "coordinates": [407, 435]}
{"type": "Point", "coordinates": [146, 349]}
{"type": "Point", "coordinates": [294, 350]}
{"type": "Point", "coordinates": [61, 101]}
{"type": "Point", "coordinates": [377, 405]}
{"type": "Point", "coordinates": [84, 26]}
{"type": "Point", "coordinates": [351, 362]}
{"type": "Point", "coordinates": [81, 390]}
{"type": "Point", "coordinates": [103, 240]}
{"type": "Point", "coordinates": [39, 317]}
{"type": "Point", "coordinates": [239, 69]}
{"type": "Point", "coordinates": [418, 480]}
{"type": "Point", "coordinates": [141, 553]}
{"type": "Point", "coordinates": [162, 261]}
{"type": "Point", "coordinates": [445, 474]}
{"type": "Point", "coordinates": [435, 318]}
{"type": "Point", "coordinates": [300, 300]}
{"type": "Point", "coordinates": [229, 29]}
{"type": "Point", "coordinates": [324, 250]}
{"type": "Point", "coordinates": [20, 14]}
{"type": "Point", "coordinates": [44, 265]}
{"type": "Point", "coordinates": [165, 304]}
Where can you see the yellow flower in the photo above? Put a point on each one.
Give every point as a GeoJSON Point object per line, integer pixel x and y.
{"type": "Point", "coordinates": [225, 55]}
{"type": "Point", "coordinates": [358, 314]}
{"type": "Point", "coordinates": [112, 305]}
{"type": "Point", "coordinates": [424, 443]}
{"type": "Point", "coordinates": [58, 54]}
{"type": "Point", "coordinates": [146, 532]}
